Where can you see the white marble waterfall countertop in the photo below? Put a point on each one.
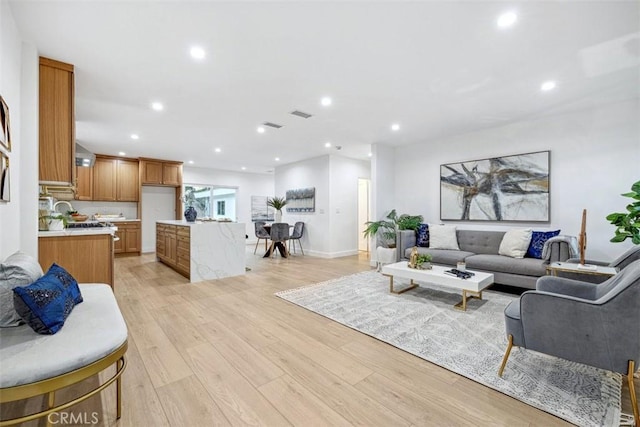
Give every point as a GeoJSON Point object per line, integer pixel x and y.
{"type": "Point", "coordinates": [78, 232]}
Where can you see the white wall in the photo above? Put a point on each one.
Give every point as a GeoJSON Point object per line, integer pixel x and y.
{"type": "Point", "coordinates": [305, 174]}
{"type": "Point", "coordinates": [383, 179]}
{"type": "Point", "coordinates": [595, 156]}
{"type": "Point", "coordinates": [343, 203]}
{"type": "Point", "coordinates": [158, 203]}
{"type": "Point", "coordinates": [18, 86]}
{"type": "Point", "coordinates": [332, 230]}
{"type": "Point", "coordinates": [248, 184]}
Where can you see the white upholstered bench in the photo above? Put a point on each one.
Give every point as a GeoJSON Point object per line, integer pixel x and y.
{"type": "Point", "coordinates": [93, 338]}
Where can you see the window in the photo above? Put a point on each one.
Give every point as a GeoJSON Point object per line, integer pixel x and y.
{"type": "Point", "coordinates": [211, 201]}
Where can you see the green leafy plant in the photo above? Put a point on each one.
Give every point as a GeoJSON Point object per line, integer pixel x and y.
{"type": "Point", "coordinates": [422, 258]}
{"type": "Point", "coordinates": [386, 228]}
{"type": "Point", "coordinates": [628, 224]}
{"type": "Point", "coordinates": [277, 203]}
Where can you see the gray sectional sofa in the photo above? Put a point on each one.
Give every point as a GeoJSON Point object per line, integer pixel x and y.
{"type": "Point", "coordinates": [479, 250]}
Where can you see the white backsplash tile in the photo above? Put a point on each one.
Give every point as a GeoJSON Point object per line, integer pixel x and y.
{"type": "Point", "coordinates": [128, 209]}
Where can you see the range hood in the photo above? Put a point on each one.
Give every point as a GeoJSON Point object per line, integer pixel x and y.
{"type": "Point", "coordinates": [84, 157]}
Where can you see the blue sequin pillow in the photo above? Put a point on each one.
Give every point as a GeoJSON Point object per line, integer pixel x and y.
{"type": "Point", "coordinates": [422, 236]}
{"type": "Point", "coordinates": [46, 303]}
{"type": "Point", "coordinates": [538, 239]}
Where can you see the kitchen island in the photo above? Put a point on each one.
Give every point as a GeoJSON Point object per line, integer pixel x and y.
{"type": "Point", "coordinates": [202, 250]}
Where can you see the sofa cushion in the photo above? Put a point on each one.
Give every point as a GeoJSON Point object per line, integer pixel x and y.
{"type": "Point", "coordinates": [422, 236]}
{"type": "Point", "coordinates": [46, 303]}
{"type": "Point", "coordinates": [443, 237]}
{"type": "Point", "coordinates": [538, 239]}
{"type": "Point", "coordinates": [441, 256]}
{"type": "Point", "coordinates": [505, 264]}
{"type": "Point", "coordinates": [515, 242]}
{"type": "Point", "coordinates": [19, 269]}
{"type": "Point", "coordinates": [480, 241]}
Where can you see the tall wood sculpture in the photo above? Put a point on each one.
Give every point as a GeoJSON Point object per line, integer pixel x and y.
{"type": "Point", "coordinates": [582, 239]}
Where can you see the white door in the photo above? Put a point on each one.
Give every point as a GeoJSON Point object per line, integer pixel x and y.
{"type": "Point", "coordinates": [363, 212]}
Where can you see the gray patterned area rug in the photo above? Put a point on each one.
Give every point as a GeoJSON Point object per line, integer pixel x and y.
{"type": "Point", "coordinates": [472, 343]}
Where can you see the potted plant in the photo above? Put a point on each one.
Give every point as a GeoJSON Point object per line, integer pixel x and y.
{"type": "Point", "coordinates": [386, 228]}
{"type": "Point", "coordinates": [277, 203]}
{"type": "Point", "coordinates": [628, 223]}
{"type": "Point", "coordinates": [423, 262]}
{"type": "Point", "coordinates": [52, 222]}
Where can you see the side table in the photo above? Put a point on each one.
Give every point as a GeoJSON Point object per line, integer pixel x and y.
{"type": "Point", "coordinates": [569, 267]}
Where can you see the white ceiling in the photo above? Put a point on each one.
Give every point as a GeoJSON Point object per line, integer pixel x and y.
{"type": "Point", "coordinates": [438, 68]}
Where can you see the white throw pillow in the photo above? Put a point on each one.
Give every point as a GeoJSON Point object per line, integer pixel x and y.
{"type": "Point", "coordinates": [515, 242]}
{"type": "Point", "coordinates": [443, 237]}
{"type": "Point", "coordinates": [19, 269]}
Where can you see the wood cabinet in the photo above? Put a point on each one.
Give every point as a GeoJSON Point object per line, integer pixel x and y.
{"type": "Point", "coordinates": [127, 187]}
{"type": "Point", "coordinates": [115, 180]}
{"type": "Point", "coordinates": [159, 172]}
{"type": "Point", "coordinates": [129, 236]}
{"type": "Point", "coordinates": [173, 243]}
{"type": "Point", "coordinates": [104, 179]}
{"type": "Point", "coordinates": [84, 183]}
{"type": "Point", "coordinates": [89, 258]}
{"type": "Point", "coordinates": [56, 122]}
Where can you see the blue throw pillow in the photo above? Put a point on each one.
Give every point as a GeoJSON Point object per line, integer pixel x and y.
{"type": "Point", "coordinates": [46, 303]}
{"type": "Point", "coordinates": [538, 239]}
{"type": "Point", "coordinates": [422, 236]}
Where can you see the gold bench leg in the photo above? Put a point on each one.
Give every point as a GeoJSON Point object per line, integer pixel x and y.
{"type": "Point", "coordinates": [632, 392]}
{"type": "Point", "coordinates": [506, 356]}
{"type": "Point", "coordinates": [119, 367]}
{"type": "Point", "coordinates": [51, 400]}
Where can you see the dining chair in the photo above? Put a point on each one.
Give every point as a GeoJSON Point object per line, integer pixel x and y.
{"type": "Point", "coordinates": [279, 237]}
{"type": "Point", "coordinates": [261, 233]}
{"type": "Point", "coordinates": [296, 235]}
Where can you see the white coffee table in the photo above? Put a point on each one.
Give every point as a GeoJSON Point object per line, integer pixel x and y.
{"type": "Point", "coordinates": [471, 287]}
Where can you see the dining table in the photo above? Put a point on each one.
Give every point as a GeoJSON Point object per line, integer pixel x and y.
{"type": "Point", "coordinates": [275, 245]}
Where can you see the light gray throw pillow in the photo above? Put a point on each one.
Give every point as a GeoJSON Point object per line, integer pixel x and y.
{"type": "Point", "coordinates": [19, 269]}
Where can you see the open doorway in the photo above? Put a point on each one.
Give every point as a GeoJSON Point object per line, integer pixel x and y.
{"type": "Point", "coordinates": [363, 212]}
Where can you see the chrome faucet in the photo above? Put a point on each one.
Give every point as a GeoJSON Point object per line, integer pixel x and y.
{"type": "Point", "coordinates": [62, 202]}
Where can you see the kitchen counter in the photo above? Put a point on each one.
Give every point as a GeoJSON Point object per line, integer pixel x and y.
{"type": "Point", "coordinates": [79, 232]}
{"type": "Point", "coordinates": [202, 250]}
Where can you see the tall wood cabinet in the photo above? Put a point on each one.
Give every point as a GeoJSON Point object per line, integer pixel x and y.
{"type": "Point", "coordinates": [57, 122]}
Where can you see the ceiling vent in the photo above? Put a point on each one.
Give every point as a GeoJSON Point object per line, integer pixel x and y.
{"type": "Point", "coordinates": [272, 125]}
{"type": "Point", "coordinates": [301, 114]}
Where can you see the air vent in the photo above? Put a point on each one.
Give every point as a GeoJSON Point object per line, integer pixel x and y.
{"type": "Point", "coordinates": [272, 125]}
{"type": "Point", "coordinates": [301, 114]}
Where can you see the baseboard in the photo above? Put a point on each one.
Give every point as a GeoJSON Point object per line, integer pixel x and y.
{"type": "Point", "coordinates": [331, 254]}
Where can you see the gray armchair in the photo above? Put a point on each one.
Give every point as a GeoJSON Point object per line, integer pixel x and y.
{"type": "Point", "coordinates": [621, 262]}
{"type": "Point", "coordinates": [598, 325]}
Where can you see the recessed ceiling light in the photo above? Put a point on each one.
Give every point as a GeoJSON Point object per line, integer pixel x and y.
{"type": "Point", "coordinates": [190, 162]}
{"type": "Point", "coordinates": [507, 19]}
{"type": "Point", "coordinates": [122, 153]}
{"type": "Point", "coordinates": [197, 52]}
{"type": "Point", "coordinates": [370, 154]}
{"type": "Point", "coordinates": [547, 86]}
{"type": "Point", "coordinates": [327, 144]}
{"type": "Point", "coordinates": [135, 136]}
{"type": "Point", "coordinates": [395, 127]}
{"type": "Point", "coordinates": [277, 159]}
{"type": "Point", "coordinates": [243, 168]}
{"type": "Point", "coordinates": [157, 106]}
{"type": "Point", "coordinates": [217, 150]}
{"type": "Point", "coordinates": [326, 101]}
{"type": "Point", "coordinates": [260, 129]}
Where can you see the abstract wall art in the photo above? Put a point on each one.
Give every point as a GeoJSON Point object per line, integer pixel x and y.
{"type": "Point", "coordinates": [509, 188]}
{"type": "Point", "coordinates": [301, 200]}
{"type": "Point", "coordinates": [260, 211]}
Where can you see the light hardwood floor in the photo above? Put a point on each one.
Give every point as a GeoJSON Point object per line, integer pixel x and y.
{"type": "Point", "coordinates": [228, 352]}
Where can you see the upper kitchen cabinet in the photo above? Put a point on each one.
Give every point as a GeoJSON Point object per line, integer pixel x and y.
{"type": "Point", "coordinates": [84, 183]}
{"type": "Point", "coordinates": [160, 172]}
{"type": "Point", "coordinates": [57, 122]}
{"type": "Point", "coordinates": [115, 180]}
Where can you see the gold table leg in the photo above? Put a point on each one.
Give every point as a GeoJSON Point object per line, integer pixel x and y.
{"type": "Point", "coordinates": [393, 291]}
{"type": "Point", "coordinates": [466, 294]}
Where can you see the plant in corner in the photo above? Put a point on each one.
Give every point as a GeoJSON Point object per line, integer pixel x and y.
{"type": "Point", "coordinates": [386, 228]}
{"type": "Point", "coordinates": [628, 223]}
{"type": "Point", "coordinates": [277, 203]}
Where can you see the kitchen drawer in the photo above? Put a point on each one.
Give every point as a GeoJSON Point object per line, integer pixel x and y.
{"type": "Point", "coordinates": [183, 231]}
{"type": "Point", "coordinates": [184, 264]}
{"type": "Point", "coordinates": [182, 238]}
{"type": "Point", "coordinates": [184, 245]}
{"type": "Point", "coordinates": [185, 253]}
